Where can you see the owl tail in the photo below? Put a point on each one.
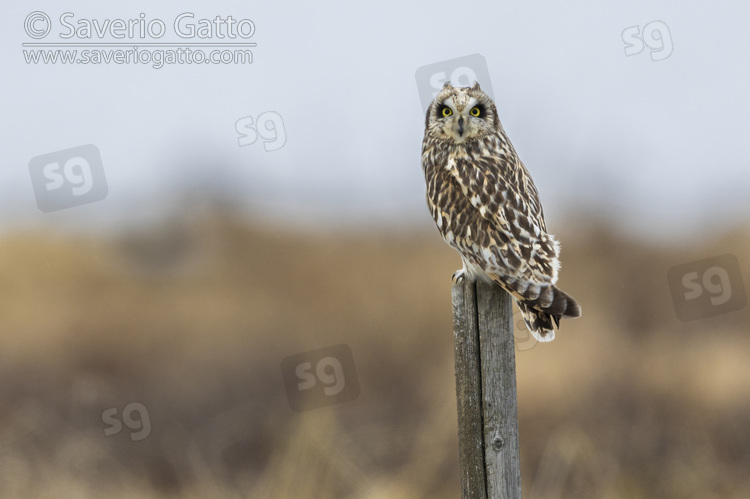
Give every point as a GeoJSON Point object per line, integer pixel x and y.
{"type": "Point", "coordinates": [539, 314]}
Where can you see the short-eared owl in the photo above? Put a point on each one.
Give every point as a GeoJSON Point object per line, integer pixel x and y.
{"type": "Point", "coordinates": [486, 207]}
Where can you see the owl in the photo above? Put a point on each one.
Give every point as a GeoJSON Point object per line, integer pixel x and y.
{"type": "Point", "coordinates": [486, 207]}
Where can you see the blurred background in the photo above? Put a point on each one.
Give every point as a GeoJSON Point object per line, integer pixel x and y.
{"type": "Point", "coordinates": [187, 245]}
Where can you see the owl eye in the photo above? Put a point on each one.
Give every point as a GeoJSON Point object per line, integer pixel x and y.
{"type": "Point", "coordinates": [476, 112]}
{"type": "Point", "coordinates": [446, 111]}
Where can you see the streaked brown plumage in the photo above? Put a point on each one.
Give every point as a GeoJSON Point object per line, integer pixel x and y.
{"type": "Point", "coordinates": [487, 208]}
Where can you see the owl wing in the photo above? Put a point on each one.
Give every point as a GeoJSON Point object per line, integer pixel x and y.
{"type": "Point", "coordinates": [525, 254]}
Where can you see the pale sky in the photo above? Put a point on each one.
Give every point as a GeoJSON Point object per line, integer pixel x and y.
{"type": "Point", "coordinates": [648, 143]}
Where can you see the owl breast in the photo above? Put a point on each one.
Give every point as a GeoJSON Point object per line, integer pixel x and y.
{"type": "Point", "coordinates": [463, 226]}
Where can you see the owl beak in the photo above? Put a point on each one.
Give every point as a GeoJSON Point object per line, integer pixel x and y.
{"type": "Point", "coordinates": [461, 126]}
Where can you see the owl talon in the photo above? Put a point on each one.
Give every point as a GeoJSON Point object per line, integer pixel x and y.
{"type": "Point", "coordinates": [458, 276]}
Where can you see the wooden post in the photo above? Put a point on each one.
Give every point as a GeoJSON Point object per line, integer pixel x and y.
{"type": "Point", "coordinates": [485, 357]}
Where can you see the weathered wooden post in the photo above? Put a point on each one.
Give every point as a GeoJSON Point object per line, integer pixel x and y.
{"type": "Point", "coordinates": [486, 390]}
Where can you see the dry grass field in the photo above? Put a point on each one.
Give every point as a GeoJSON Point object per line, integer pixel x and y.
{"type": "Point", "coordinates": [193, 318]}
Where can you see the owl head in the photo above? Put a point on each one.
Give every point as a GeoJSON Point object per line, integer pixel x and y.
{"type": "Point", "coordinates": [461, 114]}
